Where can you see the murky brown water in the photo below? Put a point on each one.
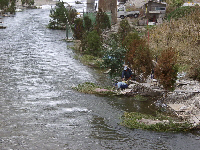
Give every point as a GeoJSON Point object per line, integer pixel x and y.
{"type": "Point", "coordinates": [40, 111]}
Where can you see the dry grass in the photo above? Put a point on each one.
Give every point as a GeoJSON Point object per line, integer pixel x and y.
{"type": "Point", "coordinates": [182, 34]}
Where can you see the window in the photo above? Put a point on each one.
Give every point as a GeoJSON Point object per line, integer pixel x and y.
{"type": "Point", "coordinates": [121, 9]}
{"type": "Point", "coordinates": [160, 8]}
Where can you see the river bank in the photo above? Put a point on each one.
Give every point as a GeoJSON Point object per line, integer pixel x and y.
{"type": "Point", "coordinates": [183, 102]}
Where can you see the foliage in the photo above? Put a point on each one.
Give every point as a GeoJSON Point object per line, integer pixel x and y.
{"type": "Point", "coordinates": [113, 37]}
{"type": "Point", "coordinates": [92, 43]}
{"type": "Point", "coordinates": [124, 29]}
{"type": "Point", "coordinates": [86, 87]}
{"type": "Point", "coordinates": [128, 40]}
{"type": "Point", "coordinates": [11, 8]}
{"type": "Point", "coordinates": [166, 69]}
{"type": "Point", "coordinates": [78, 29]}
{"type": "Point", "coordinates": [195, 71]}
{"type": "Point", "coordinates": [8, 5]}
{"type": "Point", "coordinates": [28, 2]}
{"type": "Point", "coordinates": [181, 34]}
{"type": "Point", "coordinates": [87, 23]}
{"type": "Point", "coordinates": [90, 88]}
{"type": "Point", "coordinates": [4, 4]}
{"type": "Point", "coordinates": [176, 3]}
{"type": "Point", "coordinates": [131, 120]}
{"type": "Point", "coordinates": [60, 16]}
{"type": "Point", "coordinates": [138, 55]}
{"type": "Point", "coordinates": [131, 42]}
{"type": "Point", "coordinates": [182, 12]}
{"type": "Point", "coordinates": [102, 21]}
{"type": "Point", "coordinates": [114, 58]}
{"type": "Point", "coordinates": [142, 62]}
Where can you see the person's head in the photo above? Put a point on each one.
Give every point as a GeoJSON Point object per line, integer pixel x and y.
{"type": "Point", "coordinates": [115, 84]}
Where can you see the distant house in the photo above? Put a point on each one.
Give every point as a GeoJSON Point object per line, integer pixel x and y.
{"type": "Point", "coordinates": [191, 4]}
{"type": "Point", "coordinates": [155, 11]}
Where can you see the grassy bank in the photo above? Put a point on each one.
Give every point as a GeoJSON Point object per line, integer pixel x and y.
{"type": "Point", "coordinates": [92, 88]}
{"type": "Point", "coordinates": [160, 123]}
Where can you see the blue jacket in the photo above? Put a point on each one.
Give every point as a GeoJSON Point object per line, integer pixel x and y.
{"type": "Point", "coordinates": [122, 85]}
{"type": "Point", "coordinates": [126, 73]}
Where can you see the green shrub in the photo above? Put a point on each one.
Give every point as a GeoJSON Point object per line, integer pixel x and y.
{"type": "Point", "coordinates": [60, 16]}
{"type": "Point", "coordinates": [102, 20]}
{"type": "Point", "coordinates": [92, 43]}
{"type": "Point", "coordinates": [86, 87]}
{"type": "Point", "coordinates": [4, 4]}
{"type": "Point", "coordinates": [114, 58]}
{"type": "Point", "coordinates": [28, 2]}
{"type": "Point", "coordinates": [131, 120]}
{"type": "Point", "coordinates": [124, 29]}
{"type": "Point", "coordinates": [87, 23]}
{"type": "Point", "coordinates": [78, 29]}
{"type": "Point", "coordinates": [90, 88]}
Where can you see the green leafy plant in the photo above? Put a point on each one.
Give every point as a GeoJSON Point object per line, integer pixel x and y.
{"type": "Point", "coordinates": [28, 2]}
{"type": "Point", "coordinates": [132, 120]}
{"type": "Point", "coordinates": [87, 23]}
{"type": "Point", "coordinates": [92, 43]}
{"type": "Point", "coordinates": [124, 29]}
{"type": "Point", "coordinates": [78, 29]}
{"type": "Point", "coordinates": [8, 6]}
{"type": "Point", "coordinates": [11, 7]}
{"type": "Point", "coordinates": [102, 21]}
{"type": "Point", "coordinates": [4, 4]}
{"type": "Point", "coordinates": [60, 16]}
{"type": "Point", "coordinates": [114, 58]}
{"type": "Point", "coordinates": [90, 88]}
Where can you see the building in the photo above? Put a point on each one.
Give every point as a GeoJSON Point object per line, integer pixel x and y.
{"type": "Point", "coordinates": [155, 11]}
{"type": "Point", "coordinates": [191, 4]}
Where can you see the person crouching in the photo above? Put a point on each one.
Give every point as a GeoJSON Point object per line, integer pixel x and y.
{"type": "Point", "coordinates": [121, 85]}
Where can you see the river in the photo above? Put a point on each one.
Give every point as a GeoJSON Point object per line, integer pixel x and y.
{"type": "Point", "coordinates": [40, 111]}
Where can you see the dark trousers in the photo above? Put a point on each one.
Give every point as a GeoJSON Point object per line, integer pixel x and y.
{"type": "Point", "coordinates": [124, 86]}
